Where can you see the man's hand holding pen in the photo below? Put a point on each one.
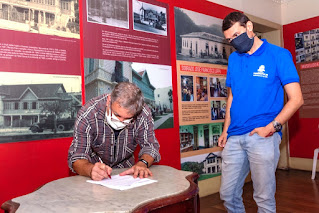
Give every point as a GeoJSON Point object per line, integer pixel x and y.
{"type": "Point", "coordinates": [100, 171]}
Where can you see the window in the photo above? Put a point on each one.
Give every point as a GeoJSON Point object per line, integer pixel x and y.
{"type": "Point", "coordinates": [118, 71]}
{"type": "Point", "coordinates": [91, 65]}
{"type": "Point", "coordinates": [25, 105]}
{"type": "Point", "coordinates": [34, 105]}
{"type": "Point", "coordinates": [16, 105]}
{"type": "Point", "coordinates": [7, 105]}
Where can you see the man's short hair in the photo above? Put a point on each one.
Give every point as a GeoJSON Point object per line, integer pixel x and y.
{"type": "Point", "coordinates": [129, 96]}
{"type": "Point", "coordinates": [233, 18]}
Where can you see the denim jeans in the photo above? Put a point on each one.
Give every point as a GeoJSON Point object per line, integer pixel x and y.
{"type": "Point", "coordinates": [260, 155]}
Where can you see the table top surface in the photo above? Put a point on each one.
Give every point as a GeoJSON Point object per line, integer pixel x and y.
{"type": "Point", "coordinates": [74, 194]}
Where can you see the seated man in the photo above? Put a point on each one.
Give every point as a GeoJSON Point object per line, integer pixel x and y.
{"type": "Point", "coordinates": [106, 132]}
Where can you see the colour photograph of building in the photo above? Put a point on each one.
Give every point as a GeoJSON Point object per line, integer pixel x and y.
{"type": "Point", "coordinates": [199, 136]}
{"type": "Point", "coordinates": [207, 165]}
{"type": "Point", "coordinates": [101, 76]}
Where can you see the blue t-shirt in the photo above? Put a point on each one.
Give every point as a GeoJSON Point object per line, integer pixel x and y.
{"type": "Point", "coordinates": [257, 82]}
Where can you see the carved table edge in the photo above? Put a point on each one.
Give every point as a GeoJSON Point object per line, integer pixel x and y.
{"type": "Point", "coordinates": [10, 206]}
{"type": "Point", "coordinates": [190, 193]}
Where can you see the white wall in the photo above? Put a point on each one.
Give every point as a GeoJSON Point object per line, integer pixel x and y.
{"type": "Point", "coordinates": [298, 10]}
{"type": "Point", "coordinates": [265, 9]}
{"type": "Point", "coordinates": [285, 13]}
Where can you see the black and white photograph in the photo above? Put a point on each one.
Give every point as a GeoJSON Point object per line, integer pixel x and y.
{"type": "Point", "coordinates": [199, 38]}
{"type": "Point", "coordinates": [218, 109]}
{"type": "Point", "coordinates": [187, 88]}
{"type": "Point", "coordinates": [199, 136]}
{"type": "Point", "coordinates": [155, 81]}
{"type": "Point", "coordinates": [108, 12]}
{"type": "Point", "coordinates": [41, 17]}
{"type": "Point", "coordinates": [217, 87]}
{"type": "Point", "coordinates": [149, 18]}
{"type": "Point", "coordinates": [307, 46]}
{"type": "Point", "coordinates": [38, 106]}
{"type": "Point", "coordinates": [207, 165]}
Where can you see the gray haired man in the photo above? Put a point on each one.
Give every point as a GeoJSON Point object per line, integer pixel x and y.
{"type": "Point", "coordinates": [107, 130]}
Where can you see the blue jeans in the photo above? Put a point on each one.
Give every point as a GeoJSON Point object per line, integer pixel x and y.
{"type": "Point", "coordinates": [260, 155]}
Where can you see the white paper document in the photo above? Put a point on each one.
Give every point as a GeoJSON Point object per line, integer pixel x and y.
{"type": "Point", "coordinates": [123, 182]}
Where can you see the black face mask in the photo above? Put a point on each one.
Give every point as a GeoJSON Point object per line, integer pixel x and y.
{"type": "Point", "coordinates": [242, 43]}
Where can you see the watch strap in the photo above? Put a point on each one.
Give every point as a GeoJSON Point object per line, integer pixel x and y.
{"type": "Point", "coordinates": [144, 161]}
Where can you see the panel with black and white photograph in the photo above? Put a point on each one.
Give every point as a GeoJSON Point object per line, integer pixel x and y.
{"type": "Point", "coordinates": [307, 46]}
{"type": "Point", "coordinates": [155, 82]}
{"type": "Point", "coordinates": [108, 12]}
{"type": "Point", "coordinates": [38, 106]}
{"type": "Point", "coordinates": [149, 18]}
{"type": "Point", "coordinates": [199, 38]}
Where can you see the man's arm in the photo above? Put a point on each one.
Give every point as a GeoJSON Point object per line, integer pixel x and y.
{"type": "Point", "coordinates": [83, 167]}
{"type": "Point", "coordinates": [140, 168]}
{"type": "Point", "coordinates": [223, 137]}
{"type": "Point", "coordinates": [149, 159]}
{"type": "Point", "coordinates": [295, 101]}
{"type": "Point", "coordinates": [97, 171]}
{"type": "Point", "coordinates": [149, 152]}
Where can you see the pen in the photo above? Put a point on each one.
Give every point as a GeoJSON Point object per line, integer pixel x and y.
{"type": "Point", "coordinates": [103, 163]}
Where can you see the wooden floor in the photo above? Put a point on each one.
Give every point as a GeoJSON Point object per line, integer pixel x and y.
{"type": "Point", "coordinates": [296, 192]}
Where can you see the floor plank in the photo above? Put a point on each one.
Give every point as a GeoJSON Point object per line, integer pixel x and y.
{"type": "Point", "coordinates": [296, 193]}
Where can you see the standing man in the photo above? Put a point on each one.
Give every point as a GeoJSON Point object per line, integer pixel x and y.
{"type": "Point", "coordinates": [106, 132]}
{"type": "Point", "coordinates": [258, 73]}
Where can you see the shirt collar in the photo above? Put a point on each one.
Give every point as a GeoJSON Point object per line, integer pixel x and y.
{"type": "Point", "coordinates": [259, 51]}
{"type": "Point", "coordinates": [262, 48]}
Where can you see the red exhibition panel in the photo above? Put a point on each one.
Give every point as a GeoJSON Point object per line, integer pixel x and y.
{"type": "Point", "coordinates": [303, 132]}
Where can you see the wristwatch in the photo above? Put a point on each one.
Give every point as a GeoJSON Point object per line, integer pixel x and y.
{"type": "Point", "coordinates": [277, 125]}
{"type": "Point", "coordinates": [144, 161]}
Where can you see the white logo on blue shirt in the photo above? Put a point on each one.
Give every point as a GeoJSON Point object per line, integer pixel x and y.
{"type": "Point", "coordinates": [261, 72]}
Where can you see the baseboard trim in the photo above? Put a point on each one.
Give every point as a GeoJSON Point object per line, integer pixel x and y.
{"type": "Point", "coordinates": [302, 163]}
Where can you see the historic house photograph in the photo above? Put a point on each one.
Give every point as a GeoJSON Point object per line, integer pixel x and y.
{"type": "Point", "coordinates": [149, 18]}
{"type": "Point", "coordinates": [38, 106]}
